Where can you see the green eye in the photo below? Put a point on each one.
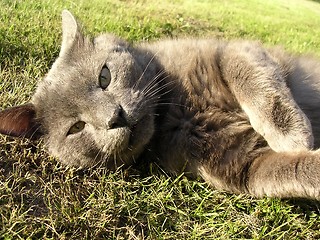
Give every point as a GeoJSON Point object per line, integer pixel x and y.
{"type": "Point", "coordinates": [104, 77]}
{"type": "Point", "coordinates": [77, 127]}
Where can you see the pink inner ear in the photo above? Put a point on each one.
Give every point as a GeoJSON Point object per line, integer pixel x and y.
{"type": "Point", "coordinates": [19, 121]}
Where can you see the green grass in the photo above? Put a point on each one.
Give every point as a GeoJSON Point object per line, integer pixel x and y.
{"type": "Point", "coordinates": [40, 199]}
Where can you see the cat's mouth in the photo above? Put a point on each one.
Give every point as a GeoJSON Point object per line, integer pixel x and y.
{"type": "Point", "coordinates": [134, 129]}
{"type": "Point", "coordinates": [140, 132]}
{"type": "Point", "coordinates": [130, 142]}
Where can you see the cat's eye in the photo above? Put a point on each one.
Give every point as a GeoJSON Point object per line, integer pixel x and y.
{"type": "Point", "coordinates": [104, 77]}
{"type": "Point", "coordinates": [77, 127]}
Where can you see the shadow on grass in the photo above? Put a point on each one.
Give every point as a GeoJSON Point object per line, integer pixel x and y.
{"type": "Point", "coordinates": [306, 205]}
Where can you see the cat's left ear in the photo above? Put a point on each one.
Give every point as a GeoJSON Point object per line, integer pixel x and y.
{"type": "Point", "coordinates": [20, 121]}
{"type": "Point", "coordinates": [71, 33]}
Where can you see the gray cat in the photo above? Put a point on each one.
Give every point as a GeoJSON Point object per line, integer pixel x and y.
{"type": "Point", "coordinates": [243, 117]}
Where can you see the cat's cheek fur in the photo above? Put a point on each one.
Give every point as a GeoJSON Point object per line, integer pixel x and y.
{"type": "Point", "coordinates": [109, 148]}
{"type": "Point", "coordinates": [71, 152]}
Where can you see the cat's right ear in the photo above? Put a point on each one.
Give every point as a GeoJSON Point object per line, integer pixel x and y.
{"type": "Point", "coordinates": [20, 121]}
{"type": "Point", "coordinates": [71, 33]}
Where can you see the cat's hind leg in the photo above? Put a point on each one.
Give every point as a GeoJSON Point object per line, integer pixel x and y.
{"type": "Point", "coordinates": [272, 174]}
{"type": "Point", "coordinates": [286, 175]}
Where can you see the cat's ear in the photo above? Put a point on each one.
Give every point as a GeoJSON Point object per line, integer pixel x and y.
{"type": "Point", "coordinates": [20, 121]}
{"type": "Point", "coordinates": [71, 33]}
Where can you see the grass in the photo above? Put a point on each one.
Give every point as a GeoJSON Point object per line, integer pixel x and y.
{"type": "Point", "coordinates": [40, 199]}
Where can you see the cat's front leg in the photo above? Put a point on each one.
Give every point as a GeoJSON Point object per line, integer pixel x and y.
{"type": "Point", "coordinates": [285, 126]}
{"type": "Point", "coordinates": [259, 85]}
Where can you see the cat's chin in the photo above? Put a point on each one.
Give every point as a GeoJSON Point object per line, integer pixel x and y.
{"type": "Point", "coordinates": [132, 143]}
{"type": "Point", "coordinates": [142, 131]}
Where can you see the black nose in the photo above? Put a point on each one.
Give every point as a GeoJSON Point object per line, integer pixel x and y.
{"type": "Point", "coordinates": [118, 119]}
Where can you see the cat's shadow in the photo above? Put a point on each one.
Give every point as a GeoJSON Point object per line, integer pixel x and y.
{"type": "Point", "coordinates": [306, 207]}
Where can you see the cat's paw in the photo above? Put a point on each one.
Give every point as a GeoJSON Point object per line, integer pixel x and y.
{"type": "Point", "coordinates": [290, 129]}
{"type": "Point", "coordinates": [293, 141]}
{"type": "Point", "coordinates": [286, 131]}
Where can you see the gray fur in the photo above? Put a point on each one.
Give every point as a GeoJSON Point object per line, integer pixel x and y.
{"type": "Point", "coordinates": [243, 117]}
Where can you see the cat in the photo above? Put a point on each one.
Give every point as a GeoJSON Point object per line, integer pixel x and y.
{"type": "Point", "coordinates": [241, 116]}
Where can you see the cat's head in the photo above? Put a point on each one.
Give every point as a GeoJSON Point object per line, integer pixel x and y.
{"type": "Point", "coordinates": [93, 106]}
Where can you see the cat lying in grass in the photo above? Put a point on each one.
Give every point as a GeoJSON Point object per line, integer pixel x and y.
{"type": "Point", "coordinates": [243, 117]}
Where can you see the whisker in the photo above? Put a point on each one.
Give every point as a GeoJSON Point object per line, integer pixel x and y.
{"type": "Point", "coordinates": [159, 89]}
{"type": "Point", "coordinates": [120, 160]}
{"type": "Point", "coordinates": [157, 86]}
{"type": "Point", "coordinates": [35, 131]}
{"type": "Point", "coordinates": [152, 84]}
{"type": "Point", "coordinates": [115, 159]}
{"type": "Point", "coordinates": [99, 162]}
{"type": "Point", "coordinates": [154, 97]}
{"type": "Point", "coordinates": [169, 104]}
{"type": "Point", "coordinates": [144, 71]}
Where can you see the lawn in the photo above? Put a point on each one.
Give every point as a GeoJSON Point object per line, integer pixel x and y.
{"type": "Point", "coordinates": [41, 199]}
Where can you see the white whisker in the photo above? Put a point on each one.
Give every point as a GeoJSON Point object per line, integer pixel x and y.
{"type": "Point", "coordinates": [154, 82]}
{"type": "Point", "coordinates": [144, 71]}
{"type": "Point", "coordinates": [158, 90]}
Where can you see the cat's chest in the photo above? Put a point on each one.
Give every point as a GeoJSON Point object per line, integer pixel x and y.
{"type": "Point", "coordinates": [199, 104]}
{"type": "Point", "coordinates": [186, 133]}
{"type": "Point", "coordinates": [200, 108]}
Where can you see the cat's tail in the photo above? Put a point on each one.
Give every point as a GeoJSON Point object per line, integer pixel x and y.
{"type": "Point", "coordinates": [285, 175]}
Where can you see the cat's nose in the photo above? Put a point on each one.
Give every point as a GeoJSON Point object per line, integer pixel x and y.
{"type": "Point", "coordinates": [118, 118]}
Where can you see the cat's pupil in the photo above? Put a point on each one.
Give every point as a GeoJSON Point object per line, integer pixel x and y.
{"type": "Point", "coordinates": [104, 77]}
{"type": "Point", "coordinates": [77, 127]}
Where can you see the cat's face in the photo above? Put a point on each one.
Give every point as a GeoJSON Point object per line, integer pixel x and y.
{"type": "Point", "coordinates": [92, 104]}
